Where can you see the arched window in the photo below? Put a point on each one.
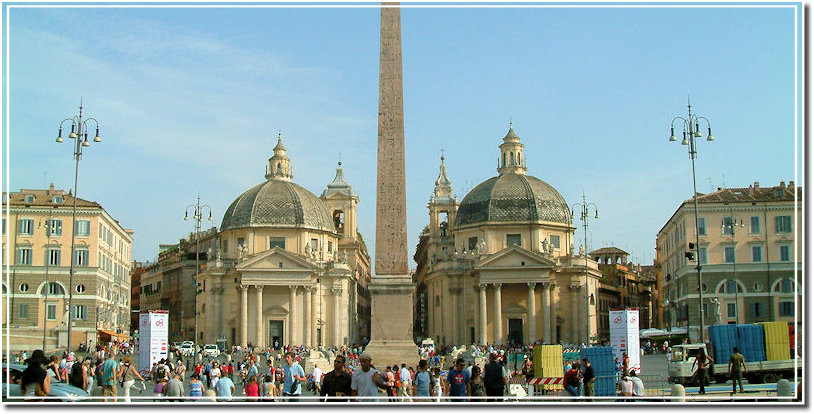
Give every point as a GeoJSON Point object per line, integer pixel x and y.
{"type": "Point", "coordinates": [55, 288]}
{"type": "Point", "coordinates": [504, 159]}
{"type": "Point", "coordinates": [511, 158]}
{"type": "Point", "coordinates": [728, 287]}
{"type": "Point", "coordinates": [279, 169]}
{"type": "Point", "coordinates": [785, 285]}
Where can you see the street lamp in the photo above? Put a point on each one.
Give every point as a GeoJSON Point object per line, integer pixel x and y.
{"type": "Point", "coordinates": [197, 215]}
{"type": "Point", "coordinates": [690, 132]}
{"type": "Point", "coordinates": [79, 128]}
{"type": "Point", "coordinates": [583, 216]}
{"type": "Point", "coordinates": [729, 227]}
{"type": "Point", "coordinates": [48, 229]}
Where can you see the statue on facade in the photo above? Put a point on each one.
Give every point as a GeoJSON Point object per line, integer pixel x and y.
{"type": "Point", "coordinates": [716, 310]}
{"type": "Point", "coordinates": [482, 247]}
{"type": "Point", "coordinates": [581, 250]}
{"type": "Point", "coordinates": [545, 245]}
{"type": "Point", "coordinates": [550, 248]}
{"type": "Point", "coordinates": [571, 252]}
{"type": "Point", "coordinates": [209, 253]}
{"type": "Point", "coordinates": [307, 249]}
{"type": "Point", "coordinates": [242, 252]}
{"type": "Point", "coordinates": [344, 256]}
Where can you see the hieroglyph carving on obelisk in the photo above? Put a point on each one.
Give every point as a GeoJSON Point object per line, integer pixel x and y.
{"type": "Point", "coordinates": [391, 201]}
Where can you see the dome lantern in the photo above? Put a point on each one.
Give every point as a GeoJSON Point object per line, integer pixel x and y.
{"type": "Point", "coordinates": [511, 159]}
{"type": "Point", "coordinates": [279, 167]}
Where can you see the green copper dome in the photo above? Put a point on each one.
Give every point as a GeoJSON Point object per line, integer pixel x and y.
{"type": "Point", "coordinates": [278, 203]}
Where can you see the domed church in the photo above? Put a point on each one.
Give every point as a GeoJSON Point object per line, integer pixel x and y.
{"type": "Point", "coordinates": [500, 266]}
{"type": "Point", "coordinates": [290, 268]}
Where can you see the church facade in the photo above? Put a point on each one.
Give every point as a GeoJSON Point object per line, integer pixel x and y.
{"type": "Point", "coordinates": [499, 267]}
{"type": "Point", "coordinates": [290, 267]}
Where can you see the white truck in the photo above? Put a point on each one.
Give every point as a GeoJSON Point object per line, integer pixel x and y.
{"type": "Point", "coordinates": [680, 368]}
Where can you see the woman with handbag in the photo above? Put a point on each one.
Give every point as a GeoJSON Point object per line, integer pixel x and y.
{"type": "Point", "coordinates": [34, 381]}
{"type": "Point", "coordinates": [128, 376]}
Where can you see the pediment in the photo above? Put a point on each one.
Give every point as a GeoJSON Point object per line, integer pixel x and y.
{"type": "Point", "coordinates": [276, 258]}
{"type": "Point", "coordinates": [515, 256]}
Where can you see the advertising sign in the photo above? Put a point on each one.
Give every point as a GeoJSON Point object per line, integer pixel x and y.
{"type": "Point", "coordinates": [153, 338]}
{"type": "Point", "coordinates": [624, 336]}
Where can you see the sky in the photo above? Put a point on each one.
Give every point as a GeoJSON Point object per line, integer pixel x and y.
{"type": "Point", "coordinates": [190, 101]}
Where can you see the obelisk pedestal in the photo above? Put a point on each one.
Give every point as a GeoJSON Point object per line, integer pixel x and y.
{"type": "Point", "coordinates": [391, 287]}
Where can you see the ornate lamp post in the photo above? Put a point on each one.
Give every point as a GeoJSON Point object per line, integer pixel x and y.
{"type": "Point", "coordinates": [79, 128]}
{"type": "Point", "coordinates": [690, 132]}
{"type": "Point", "coordinates": [728, 227]}
{"type": "Point", "coordinates": [197, 215]}
{"type": "Point", "coordinates": [583, 216]}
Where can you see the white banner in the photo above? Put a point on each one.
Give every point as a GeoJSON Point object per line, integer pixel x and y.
{"type": "Point", "coordinates": [624, 336]}
{"type": "Point", "coordinates": [152, 338]}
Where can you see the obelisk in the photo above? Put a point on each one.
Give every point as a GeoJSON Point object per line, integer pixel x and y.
{"type": "Point", "coordinates": [391, 288]}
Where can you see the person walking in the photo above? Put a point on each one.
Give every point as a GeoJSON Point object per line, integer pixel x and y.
{"type": "Point", "coordinates": [110, 373]}
{"type": "Point", "coordinates": [736, 362]}
{"type": "Point", "coordinates": [89, 374]}
{"type": "Point", "coordinates": [458, 382]}
{"type": "Point", "coordinates": [588, 378]}
{"type": "Point", "coordinates": [35, 383]}
{"type": "Point", "coordinates": [702, 359]}
{"type": "Point", "coordinates": [252, 389]}
{"type": "Point", "coordinates": [316, 374]}
{"type": "Point", "coordinates": [336, 384]}
{"type": "Point", "coordinates": [476, 388]}
{"type": "Point", "coordinates": [406, 383]}
{"type": "Point", "coordinates": [495, 379]}
{"type": "Point", "coordinates": [196, 387]}
{"type": "Point", "coordinates": [422, 382]}
{"type": "Point", "coordinates": [174, 388]}
{"type": "Point", "coordinates": [128, 375]}
{"type": "Point", "coordinates": [225, 389]}
{"type": "Point", "coordinates": [366, 380]}
{"type": "Point", "coordinates": [293, 374]}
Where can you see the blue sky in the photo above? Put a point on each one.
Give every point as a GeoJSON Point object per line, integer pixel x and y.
{"type": "Point", "coordinates": [190, 100]}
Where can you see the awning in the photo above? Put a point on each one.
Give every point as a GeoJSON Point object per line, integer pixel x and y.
{"type": "Point", "coordinates": [111, 333]}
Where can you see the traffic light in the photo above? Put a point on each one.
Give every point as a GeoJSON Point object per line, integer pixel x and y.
{"type": "Point", "coordinates": [690, 255]}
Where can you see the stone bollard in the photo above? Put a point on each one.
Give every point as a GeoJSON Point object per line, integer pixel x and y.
{"type": "Point", "coordinates": [783, 389]}
{"type": "Point", "coordinates": [677, 390]}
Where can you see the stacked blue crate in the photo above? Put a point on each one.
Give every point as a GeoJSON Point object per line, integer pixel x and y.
{"type": "Point", "coordinates": [723, 338]}
{"type": "Point", "coordinates": [601, 358]}
{"type": "Point", "coordinates": [751, 342]}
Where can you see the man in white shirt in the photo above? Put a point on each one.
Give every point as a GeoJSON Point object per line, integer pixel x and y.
{"type": "Point", "coordinates": [638, 385]}
{"type": "Point", "coordinates": [366, 380]}
{"type": "Point", "coordinates": [317, 375]}
{"type": "Point", "coordinates": [406, 382]}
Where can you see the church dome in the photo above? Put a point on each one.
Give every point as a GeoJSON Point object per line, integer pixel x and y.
{"type": "Point", "coordinates": [512, 197]}
{"type": "Point", "coordinates": [278, 202]}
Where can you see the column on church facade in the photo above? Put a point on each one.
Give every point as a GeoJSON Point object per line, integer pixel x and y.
{"type": "Point", "coordinates": [292, 312]}
{"type": "Point", "coordinates": [532, 313]}
{"type": "Point", "coordinates": [260, 342]}
{"type": "Point", "coordinates": [315, 292]}
{"type": "Point", "coordinates": [574, 314]}
{"type": "Point", "coordinates": [454, 312]}
{"type": "Point", "coordinates": [546, 312]}
{"type": "Point", "coordinates": [244, 316]}
{"type": "Point", "coordinates": [307, 324]}
{"type": "Point", "coordinates": [337, 317]}
{"type": "Point", "coordinates": [498, 315]}
{"type": "Point", "coordinates": [482, 325]}
{"type": "Point", "coordinates": [553, 298]}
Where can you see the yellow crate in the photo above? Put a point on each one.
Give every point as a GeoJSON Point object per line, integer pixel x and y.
{"type": "Point", "coordinates": [547, 361]}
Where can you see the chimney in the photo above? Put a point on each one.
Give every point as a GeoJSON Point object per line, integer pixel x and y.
{"type": "Point", "coordinates": [756, 185]}
{"type": "Point", "coordinates": [791, 184]}
{"type": "Point", "coordinates": [782, 184]}
{"type": "Point", "coordinates": [51, 189]}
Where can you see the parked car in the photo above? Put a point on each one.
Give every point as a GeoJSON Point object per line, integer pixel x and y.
{"type": "Point", "coordinates": [211, 350]}
{"type": "Point", "coordinates": [187, 349]}
{"type": "Point", "coordinates": [64, 392]}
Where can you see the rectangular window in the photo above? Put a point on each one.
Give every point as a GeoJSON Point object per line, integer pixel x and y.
{"type": "Point", "coordinates": [728, 226]}
{"type": "Point", "coordinates": [4, 226]}
{"type": "Point", "coordinates": [83, 227]}
{"type": "Point", "coordinates": [23, 314]}
{"type": "Point", "coordinates": [754, 225]}
{"type": "Point", "coordinates": [314, 245]}
{"type": "Point", "coordinates": [276, 242]}
{"type": "Point", "coordinates": [55, 227]}
{"type": "Point", "coordinates": [757, 253]}
{"type": "Point", "coordinates": [731, 311]}
{"type": "Point", "coordinates": [54, 256]}
{"type": "Point", "coordinates": [226, 246]}
{"type": "Point", "coordinates": [51, 312]}
{"type": "Point", "coordinates": [786, 308]}
{"type": "Point", "coordinates": [472, 243]}
{"type": "Point", "coordinates": [330, 246]}
{"type": "Point", "coordinates": [80, 257]}
{"type": "Point", "coordinates": [513, 240]}
{"type": "Point", "coordinates": [25, 227]}
{"type": "Point", "coordinates": [80, 312]}
{"type": "Point", "coordinates": [555, 241]}
{"type": "Point", "coordinates": [702, 255]}
{"type": "Point", "coordinates": [729, 254]}
{"type": "Point", "coordinates": [785, 253]}
{"type": "Point", "coordinates": [24, 256]}
{"type": "Point", "coordinates": [757, 310]}
{"type": "Point", "coordinates": [702, 226]}
{"type": "Point", "coordinates": [782, 224]}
